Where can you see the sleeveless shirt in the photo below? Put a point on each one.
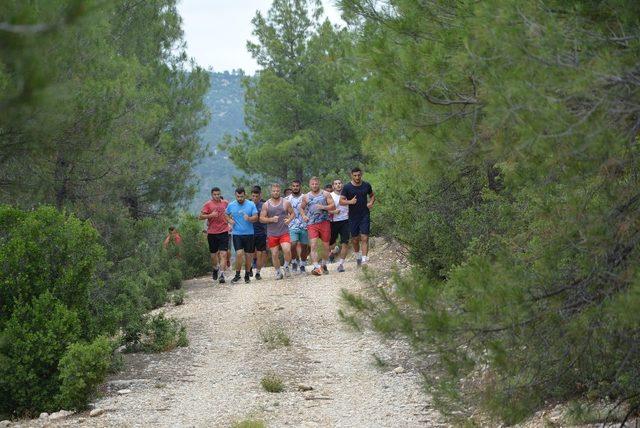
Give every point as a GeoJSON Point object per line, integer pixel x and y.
{"type": "Point", "coordinates": [279, 228]}
{"type": "Point", "coordinates": [315, 214]}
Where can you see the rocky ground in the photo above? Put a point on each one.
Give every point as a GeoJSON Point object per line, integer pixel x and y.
{"type": "Point", "coordinates": [330, 375]}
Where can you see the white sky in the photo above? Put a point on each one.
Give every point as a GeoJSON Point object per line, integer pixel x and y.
{"type": "Point", "coordinates": [216, 31]}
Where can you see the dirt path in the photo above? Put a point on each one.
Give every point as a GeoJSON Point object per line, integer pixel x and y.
{"type": "Point", "coordinates": [216, 380]}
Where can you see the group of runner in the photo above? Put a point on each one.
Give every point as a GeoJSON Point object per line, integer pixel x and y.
{"type": "Point", "coordinates": [291, 224]}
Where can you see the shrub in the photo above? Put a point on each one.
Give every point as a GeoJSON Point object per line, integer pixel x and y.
{"type": "Point", "coordinates": [250, 423]}
{"type": "Point", "coordinates": [47, 251]}
{"type": "Point", "coordinates": [272, 383]}
{"type": "Point", "coordinates": [274, 337]}
{"type": "Point", "coordinates": [32, 343]}
{"type": "Point", "coordinates": [178, 297]}
{"type": "Point", "coordinates": [82, 368]}
{"type": "Point", "coordinates": [158, 334]}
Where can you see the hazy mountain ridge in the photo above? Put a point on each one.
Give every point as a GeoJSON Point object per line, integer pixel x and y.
{"type": "Point", "coordinates": [225, 100]}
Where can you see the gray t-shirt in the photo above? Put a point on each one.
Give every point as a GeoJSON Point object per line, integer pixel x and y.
{"type": "Point", "coordinates": [279, 228]}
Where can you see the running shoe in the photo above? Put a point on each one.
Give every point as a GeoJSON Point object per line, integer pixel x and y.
{"type": "Point", "coordinates": [332, 257]}
{"type": "Point", "coordinates": [302, 269]}
{"type": "Point", "coordinates": [294, 267]}
{"type": "Point", "coordinates": [340, 268]}
{"type": "Point", "coordinates": [287, 272]}
{"type": "Point", "coordinates": [221, 280]}
{"type": "Point", "coordinates": [258, 277]}
{"type": "Point", "coordinates": [247, 277]}
{"type": "Point", "coordinates": [317, 272]}
{"type": "Point", "coordinates": [359, 262]}
{"type": "Point", "coordinates": [250, 272]}
{"type": "Point", "coordinates": [235, 279]}
{"type": "Point", "coordinates": [214, 275]}
{"type": "Point", "coordinates": [279, 275]}
{"type": "Point", "coordinates": [325, 270]}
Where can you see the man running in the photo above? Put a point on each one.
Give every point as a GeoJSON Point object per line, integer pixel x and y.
{"type": "Point", "coordinates": [260, 233]}
{"type": "Point", "coordinates": [241, 214]}
{"type": "Point", "coordinates": [277, 213]}
{"type": "Point", "coordinates": [339, 224]}
{"type": "Point", "coordinates": [315, 209]}
{"type": "Point", "coordinates": [298, 229]}
{"type": "Point", "coordinates": [354, 195]}
{"type": "Point", "coordinates": [217, 233]}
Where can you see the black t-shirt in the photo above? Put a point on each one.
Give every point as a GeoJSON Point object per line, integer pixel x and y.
{"type": "Point", "coordinates": [360, 208]}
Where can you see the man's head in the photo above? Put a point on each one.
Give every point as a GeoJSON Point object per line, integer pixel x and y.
{"type": "Point", "coordinates": [296, 187]}
{"type": "Point", "coordinates": [287, 192]}
{"type": "Point", "coordinates": [337, 185]}
{"type": "Point", "coordinates": [240, 195]}
{"type": "Point", "coordinates": [275, 191]}
{"type": "Point", "coordinates": [172, 229]}
{"type": "Point", "coordinates": [328, 187]}
{"type": "Point", "coordinates": [215, 194]}
{"type": "Point", "coordinates": [314, 184]}
{"type": "Point", "coordinates": [256, 194]}
{"type": "Point", "coordinates": [356, 175]}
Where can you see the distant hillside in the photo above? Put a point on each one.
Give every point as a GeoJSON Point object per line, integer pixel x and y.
{"type": "Point", "coordinates": [225, 100]}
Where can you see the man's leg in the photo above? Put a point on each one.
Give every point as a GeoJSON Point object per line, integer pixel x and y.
{"type": "Point", "coordinates": [222, 257]}
{"type": "Point", "coordinates": [238, 263]}
{"type": "Point", "coordinates": [247, 265]}
{"type": "Point", "coordinates": [215, 265]}
{"type": "Point", "coordinates": [364, 239]}
{"type": "Point", "coordinates": [313, 243]}
{"type": "Point", "coordinates": [275, 259]}
{"type": "Point", "coordinates": [286, 252]}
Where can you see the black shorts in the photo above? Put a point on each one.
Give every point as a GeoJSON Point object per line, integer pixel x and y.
{"type": "Point", "coordinates": [218, 242]}
{"type": "Point", "coordinates": [360, 225]}
{"type": "Point", "coordinates": [261, 242]}
{"type": "Point", "coordinates": [339, 228]}
{"type": "Point", "coordinates": [244, 243]}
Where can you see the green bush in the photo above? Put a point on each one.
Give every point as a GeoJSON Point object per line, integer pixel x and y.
{"type": "Point", "coordinates": [82, 368]}
{"type": "Point", "coordinates": [45, 250]}
{"type": "Point", "coordinates": [271, 382]}
{"type": "Point", "coordinates": [158, 333]}
{"type": "Point", "coordinates": [32, 343]}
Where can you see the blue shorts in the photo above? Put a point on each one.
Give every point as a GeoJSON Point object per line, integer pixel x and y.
{"type": "Point", "coordinates": [299, 235]}
{"type": "Point", "coordinates": [360, 225]}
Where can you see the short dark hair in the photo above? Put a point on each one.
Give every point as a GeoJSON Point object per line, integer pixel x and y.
{"type": "Point", "coordinates": [327, 186]}
{"type": "Point", "coordinates": [356, 169]}
{"type": "Point", "coordinates": [240, 190]}
{"type": "Point", "coordinates": [171, 228]}
{"type": "Point", "coordinates": [215, 189]}
{"type": "Point", "coordinates": [296, 181]}
{"type": "Point", "coordinates": [289, 189]}
{"type": "Point", "coordinates": [256, 189]}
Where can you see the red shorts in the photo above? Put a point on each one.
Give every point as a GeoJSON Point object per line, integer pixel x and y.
{"type": "Point", "coordinates": [320, 230]}
{"type": "Point", "coordinates": [274, 241]}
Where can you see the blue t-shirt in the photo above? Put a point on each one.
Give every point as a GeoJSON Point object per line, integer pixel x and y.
{"type": "Point", "coordinates": [237, 212]}
{"type": "Point", "coordinates": [259, 229]}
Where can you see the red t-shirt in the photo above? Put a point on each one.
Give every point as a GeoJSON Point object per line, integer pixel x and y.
{"type": "Point", "coordinates": [216, 224]}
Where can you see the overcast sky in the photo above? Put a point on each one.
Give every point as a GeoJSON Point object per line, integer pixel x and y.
{"type": "Point", "coordinates": [216, 31]}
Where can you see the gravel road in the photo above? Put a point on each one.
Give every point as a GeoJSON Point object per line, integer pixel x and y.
{"type": "Point", "coordinates": [216, 380]}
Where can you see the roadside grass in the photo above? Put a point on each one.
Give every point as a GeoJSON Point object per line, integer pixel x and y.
{"type": "Point", "coordinates": [379, 362]}
{"type": "Point", "coordinates": [249, 423]}
{"type": "Point", "coordinates": [272, 383]}
{"type": "Point", "coordinates": [274, 336]}
{"type": "Point", "coordinates": [177, 298]}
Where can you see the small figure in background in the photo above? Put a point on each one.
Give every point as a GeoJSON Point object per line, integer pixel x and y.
{"type": "Point", "coordinates": [172, 238]}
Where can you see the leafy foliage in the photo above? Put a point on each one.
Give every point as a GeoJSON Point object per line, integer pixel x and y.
{"type": "Point", "coordinates": [296, 125]}
{"type": "Point", "coordinates": [508, 135]}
